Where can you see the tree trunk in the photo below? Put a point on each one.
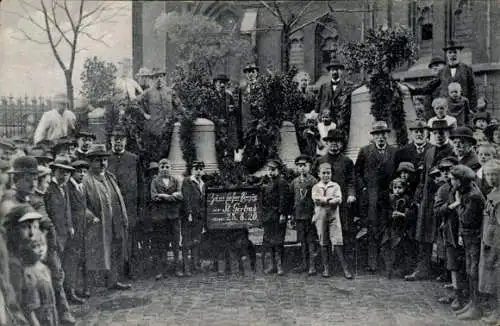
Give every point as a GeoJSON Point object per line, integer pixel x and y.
{"type": "Point", "coordinates": [69, 88]}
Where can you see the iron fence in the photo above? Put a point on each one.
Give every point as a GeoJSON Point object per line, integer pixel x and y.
{"type": "Point", "coordinates": [19, 116]}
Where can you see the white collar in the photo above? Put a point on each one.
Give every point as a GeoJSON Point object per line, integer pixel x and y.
{"type": "Point", "coordinates": [73, 181]}
{"type": "Point", "coordinates": [120, 152]}
{"type": "Point", "coordinates": [193, 178]}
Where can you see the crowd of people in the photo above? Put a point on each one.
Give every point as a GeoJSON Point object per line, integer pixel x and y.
{"type": "Point", "coordinates": [71, 208]}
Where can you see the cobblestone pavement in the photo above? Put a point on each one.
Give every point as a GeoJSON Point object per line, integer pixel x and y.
{"type": "Point", "coordinates": [258, 299]}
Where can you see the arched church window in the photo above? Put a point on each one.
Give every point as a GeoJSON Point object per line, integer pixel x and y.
{"type": "Point", "coordinates": [462, 25]}
{"type": "Point", "coordinates": [228, 21]}
{"type": "Point", "coordinates": [297, 50]}
{"type": "Point", "coordinates": [327, 44]}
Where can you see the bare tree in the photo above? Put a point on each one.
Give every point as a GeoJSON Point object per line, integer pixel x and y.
{"type": "Point", "coordinates": [63, 24]}
{"type": "Point", "coordinates": [292, 21]}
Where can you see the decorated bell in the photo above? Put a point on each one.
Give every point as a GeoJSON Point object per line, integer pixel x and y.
{"type": "Point", "coordinates": [204, 139]}
{"type": "Point", "coordinates": [178, 165]}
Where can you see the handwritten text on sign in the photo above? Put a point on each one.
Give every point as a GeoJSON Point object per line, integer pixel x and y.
{"type": "Point", "coordinates": [232, 208]}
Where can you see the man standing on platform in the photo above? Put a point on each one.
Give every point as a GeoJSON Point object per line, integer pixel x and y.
{"type": "Point", "coordinates": [106, 238]}
{"type": "Point", "coordinates": [160, 108]}
{"type": "Point", "coordinates": [335, 96]}
{"type": "Point", "coordinates": [56, 123]}
{"type": "Point", "coordinates": [426, 227]}
{"type": "Point", "coordinates": [225, 112]}
{"type": "Point", "coordinates": [247, 108]}
{"type": "Point", "coordinates": [374, 168]}
{"type": "Point", "coordinates": [125, 167]}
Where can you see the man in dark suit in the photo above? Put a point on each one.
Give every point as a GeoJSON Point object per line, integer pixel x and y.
{"type": "Point", "coordinates": [374, 168]}
{"type": "Point", "coordinates": [415, 151]}
{"type": "Point", "coordinates": [426, 227]}
{"type": "Point", "coordinates": [76, 247]}
{"type": "Point", "coordinates": [335, 96]}
{"type": "Point", "coordinates": [125, 167]}
{"type": "Point", "coordinates": [247, 110]}
{"type": "Point", "coordinates": [225, 112]}
{"type": "Point", "coordinates": [458, 72]}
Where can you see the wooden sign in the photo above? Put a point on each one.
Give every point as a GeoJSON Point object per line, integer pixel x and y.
{"type": "Point", "coordinates": [233, 208]}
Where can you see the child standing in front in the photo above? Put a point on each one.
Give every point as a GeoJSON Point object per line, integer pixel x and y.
{"type": "Point", "coordinates": [193, 222]}
{"type": "Point", "coordinates": [469, 204]}
{"type": "Point", "coordinates": [458, 105]}
{"type": "Point", "coordinates": [303, 211]}
{"type": "Point", "coordinates": [327, 197]}
{"type": "Point", "coordinates": [166, 201]}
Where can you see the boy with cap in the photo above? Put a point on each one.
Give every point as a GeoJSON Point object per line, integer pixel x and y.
{"type": "Point", "coordinates": [84, 140]}
{"type": "Point", "coordinates": [274, 207]}
{"type": "Point", "coordinates": [447, 220]}
{"type": "Point", "coordinates": [166, 199]}
{"type": "Point", "coordinates": [479, 123]}
{"type": "Point", "coordinates": [32, 279]}
{"type": "Point", "coordinates": [193, 222]}
{"type": "Point", "coordinates": [440, 107]}
{"type": "Point", "coordinates": [303, 205]}
{"type": "Point", "coordinates": [469, 204]}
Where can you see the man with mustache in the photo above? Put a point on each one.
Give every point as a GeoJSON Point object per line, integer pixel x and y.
{"type": "Point", "coordinates": [124, 165]}
{"type": "Point", "coordinates": [458, 72]}
{"type": "Point", "coordinates": [335, 95]}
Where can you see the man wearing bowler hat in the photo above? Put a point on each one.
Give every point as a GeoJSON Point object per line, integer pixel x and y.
{"type": "Point", "coordinates": [344, 175]}
{"type": "Point", "coordinates": [225, 112]}
{"type": "Point", "coordinates": [426, 226]}
{"type": "Point", "coordinates": [125, 166]}
{"type": "Point", "coordinates": [56, 123]}
{"type": "Point", "coordinates": [374, 169]}
{"type": "Point", "coordinates": [463, 144]}
{"type": "Point", "coordinates": [84, 140]}
{"type": "Point", "coordinates": [335, 96]}
{"type": "Point", "coordinates": [107, 232]}
{"type": "Point", "coordinates": [414, 152]}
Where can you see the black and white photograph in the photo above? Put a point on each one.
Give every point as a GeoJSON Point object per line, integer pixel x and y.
{"type": "Point", "coordinates": [234, 163]}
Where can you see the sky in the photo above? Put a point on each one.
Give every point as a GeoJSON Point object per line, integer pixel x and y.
{"type": "Point", "coordinates": [28, 68]}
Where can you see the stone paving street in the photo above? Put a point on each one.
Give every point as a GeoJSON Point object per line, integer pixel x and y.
{"type": "Point", "coordinates": [271, 300]}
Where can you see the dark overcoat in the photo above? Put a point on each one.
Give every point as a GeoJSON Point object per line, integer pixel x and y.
{"type": "Point", "coordinates": [58, 207]}
{"type": "Point", "coordinates": [225, 110]}
{"type": "Point", "coordinates": [78, 211]}
{"type": "Point", "coordinates": [126, 168]}
{"type": "Point", "coordinates": [374, 171]}
{"type": "Point", "coordinates": [194, 204]}
{"type": "Point", "coordinates": [166, 209]}
{"type": "Point", "coordinates": [465, 77]}
{"type": "Point", "coordinates": [338, 102]}
{"type": "Point", "coordinates": [426, 227]}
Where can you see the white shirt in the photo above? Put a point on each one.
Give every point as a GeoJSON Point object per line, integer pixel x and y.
{"type": "Point", "coordinates": [199, 182]}
{"type": "Point", "coordinates": [78, 186]}
{"type": "Point", "coordinates": [53, 125]}
{"type": "Point", "coordinates": [323, 132]}
{"type": "Point", "coordinates": [128, 87]}
{"type": "Point", "coordinates": [453, 71]}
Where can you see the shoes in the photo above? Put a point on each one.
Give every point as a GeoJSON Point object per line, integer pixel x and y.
{"type": "Point", "coordinates": [68, 319]}
{"type": "Point", "coordinates": [447, 299]}
{"type": "Point", "coordinates": [473, 313]}
{"type": "Point", "coordinates": [312, 271]}
{"type": "Point", "coordinates": [464, 308]}
{"type": "Point", "coordinates": [73, 298]}
{"type": "Point", "coordinates": [347, 275]}
{"type": "Point", "coordinates": [372, 270]}
{"type": "Point", "coordinates": [448, 286]}
{"type": "Point", "coordinates": [158, 277]}
{"type": "Point", "coordinates": [455, 305]}
{"type": "Point", "coordinates": [120, 286]}
{"type": "Point", "coordinates": [416, 276]}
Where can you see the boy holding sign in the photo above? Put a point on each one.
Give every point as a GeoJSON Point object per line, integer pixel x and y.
{"type": "Point", "coordinates": [303, 211]}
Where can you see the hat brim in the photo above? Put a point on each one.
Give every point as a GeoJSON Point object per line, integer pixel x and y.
{"type": "Point", "coordinates": [250, 69]}
{"type": "Point", "coordinates": [406, 169]}
{"type": "Point", "coordinates": [423, 127]}
{"type": "Point", "coordinates": [79, 166]}
{"type": "Point", "coordinates": [333, 139]}
{"type": "Point", "coordinates": [62, 166]}
{"type": "Point", "coordinates": [29, 217]}
{"type": "Point", "coordinates": [98, 155]}
{"type": "Point", "coordinates": [86, 134]}
{"type": "Point", "coordinates": [470, 138]}
{"type": "Point", "coordinates": [44, 158]}
{"type": "Point", "coordinates": [330, 67]}
{"type": "Point", "coordinates": [380, 131]}
{"type": "Point", "coordinates": [455, 47]}
{"type": "Point", "coordinates": [441, 128]}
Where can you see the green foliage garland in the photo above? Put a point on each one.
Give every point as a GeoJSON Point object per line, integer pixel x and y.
{"type": "Point", "coordinates": [383, 51]}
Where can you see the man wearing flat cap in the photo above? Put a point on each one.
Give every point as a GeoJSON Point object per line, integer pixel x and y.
{"type": "Point", "coordinates": [344, 175]}
{"type": "Point", "coordinates": [7, 149]}
{"type": "Point", "coordinates": [160, 107]}
{"type": "Point", "coordinates": [56, 123]}
{"type": "Point", "coordinates": [225, 113]}
{"type": "Point", "coordinates": [125, 166]}
{"type": "Point", "coordinates": [426, 226]}
{"type": "Point", "coordinates": [24, 175]}
{"type": "Point", "coordinates": [106, 241]}
{"type": "Point", "coordinates": [374, 169]}
{"type": "Point", "coordinates": [335, 97]}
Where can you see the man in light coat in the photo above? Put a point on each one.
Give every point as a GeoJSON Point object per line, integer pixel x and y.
{"type": "Point", "coordinates": [56, 123]}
